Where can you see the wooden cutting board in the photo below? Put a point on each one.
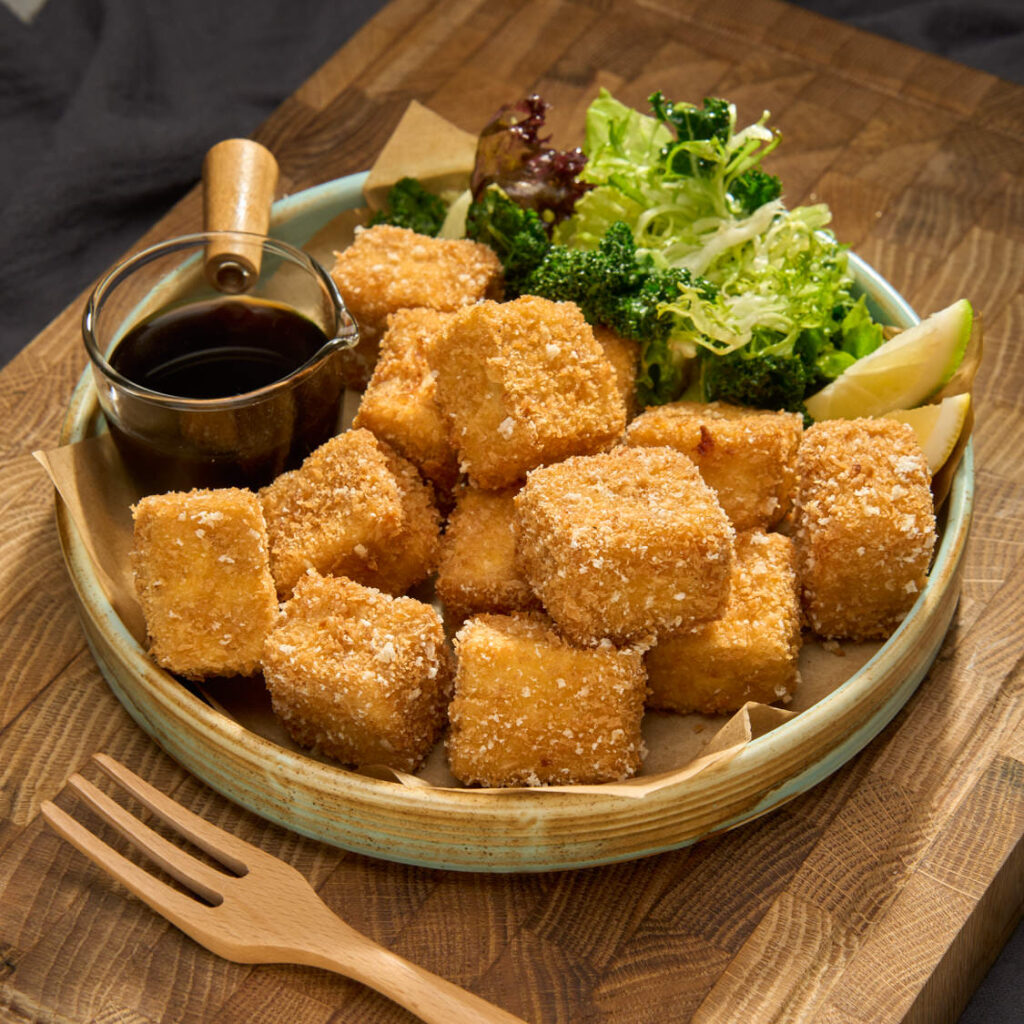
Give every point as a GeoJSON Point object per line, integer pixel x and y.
{"type": "Point", "coordinates": [880, 896]}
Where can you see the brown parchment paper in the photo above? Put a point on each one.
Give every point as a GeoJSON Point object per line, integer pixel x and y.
{"type": "Point", "coordinates": [98, 494]}
{"type": "Point", "coordinates": [424, 146]}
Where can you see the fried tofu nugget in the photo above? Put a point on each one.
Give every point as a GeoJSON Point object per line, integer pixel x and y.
{"type": "Point", "coordinates": [360, 676]}
{"type": "Point", "coordinates": [530, 709]}
{"type": "Point", "coordinates": [630, 544]}
{"type": "Point", "coordinates": [624, 355]}
{"type": "Point", "coordinates": [388, 268]}
{"type": "Point", "coordinates": [524, 383]}
{"type": "Point", "coordinates": [354, 508]}
{"type": "Point", "coordinates": [399, 403]}
{"type": "Point", "coordinates": [864, 526]}
{"type": "Point", "coordinates": [750, 653]}
{"type": "Point", "coordinates": [201, 569]}
{"type": "Point", "coordinates": [746, 455]}
{"type": "Point", "coordinates": [477, 565]}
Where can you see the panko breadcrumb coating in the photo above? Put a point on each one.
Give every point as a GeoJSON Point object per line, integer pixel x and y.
{"type": "Point", "coordinates": [354, 508]}
{"type": "Point", "coordinates": [360, 676]}
{"type": "Point", "coordinates": [624, 355]}
{"type": "Point", "coordinates": [524, 383]}
{"type": "Point", "coordinates": [864, 526]}
{"type": "Point", "coordinates": [746, 455]}
{"type": "Point", "coordinates": [477, 568]}
{"type": "Point", "coordinates": [398, 405]}
{"type": "Point", "coordinates": [750, 653]}
{"type": "Point", "coordinates": [200, 563]}
{"type": "Point", "coordinates": [630, 545]}
{"type": "Point", "coordinates": [530, 709]}
{"type": "Point", "coordinates": [388, 268]}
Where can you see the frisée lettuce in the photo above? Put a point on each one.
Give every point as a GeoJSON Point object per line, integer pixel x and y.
{"type": "Point", "coordinates": [688, 185]}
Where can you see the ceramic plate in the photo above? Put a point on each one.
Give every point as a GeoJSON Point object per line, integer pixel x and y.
{"type": "Point", "coordinates": [520, 830]}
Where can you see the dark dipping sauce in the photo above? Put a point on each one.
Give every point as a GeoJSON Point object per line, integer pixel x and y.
{"type": "Point", "coordinates": [219, 349]}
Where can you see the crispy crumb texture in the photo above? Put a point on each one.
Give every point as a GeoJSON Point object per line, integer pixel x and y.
{"type": "Point", "coordinates": [200, 563]}
{"type": "Point", "coordinates": [389, 268]}
{"type": "Point", "coordinates": [357, 675]}
{"type": "Point", "coordinates": [746, 455]}
{"type": "Point", "coordinates": [631, 544]}
{"type": "Point", "coordinates": [864, 526]}
{"type": "Point", "coordinates": [522, 384]}
{"type": "Point", "coordinates": [531, 709]}
{"type": "Point", "coordinates": [750, 653]}
{"type": "Point", "coordinates": [477, 569]}
{"type": "Point", "coordinates": [354, 508]}
{"type": "Point", "coordinates": [399, 403]}
{"type": "Point", "coordinates": [624, 355]}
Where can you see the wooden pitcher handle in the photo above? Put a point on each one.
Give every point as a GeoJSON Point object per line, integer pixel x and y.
{"type": "Point", "coordinates": [239, 178]}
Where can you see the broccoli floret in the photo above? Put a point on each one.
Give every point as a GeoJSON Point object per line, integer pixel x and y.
{"type": "Point", "coordinates": [754, 188]}
{"type": "Point", "coordinates": [691, 122]}
{"type": "Point", "coordinates": [597, 280]}
{"type": "Point", "coordinates": [410, 205]}
{"type": "Point", "coordinates": [763, 380]}
{"type": "Point", "coordinates": [612, 284]}
{"type": "Point", "coordinates": [768, 373]}
{"type": "Point", "coordinates": [516, 234]}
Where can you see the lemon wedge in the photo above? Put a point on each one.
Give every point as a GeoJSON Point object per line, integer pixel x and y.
{"type": "Point", "coordinates": [902, 373]}
{"type": "Point", "coordinates": [938, 427]}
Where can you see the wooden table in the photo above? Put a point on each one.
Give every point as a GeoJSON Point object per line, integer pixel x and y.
{"type": "Point", "coordinates": [880, 896]}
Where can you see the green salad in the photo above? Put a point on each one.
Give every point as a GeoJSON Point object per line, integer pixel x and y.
{"type": "Point", "coordinates": [665, 228]}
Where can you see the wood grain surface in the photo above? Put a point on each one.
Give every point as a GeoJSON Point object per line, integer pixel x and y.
{"type": "Point", "coordinates": [880, 896]}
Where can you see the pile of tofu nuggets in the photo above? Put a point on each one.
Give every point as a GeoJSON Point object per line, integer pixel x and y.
{"type": "Point", "coordinates": [592, 560]}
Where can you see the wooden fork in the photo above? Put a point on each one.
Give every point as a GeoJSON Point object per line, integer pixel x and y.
{"type": "Point", "coordinates": [264, 912]}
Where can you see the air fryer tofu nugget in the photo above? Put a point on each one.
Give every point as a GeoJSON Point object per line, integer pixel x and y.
{"type": "Point", "coordinates": [358, 675]}
{"type": "Point", "coordinates": [531, 709]}
{"type": "Point", "coordinates": [751, 652]}
{"type": "Point", "coordinates": [624, 355]}
{"type": "Point", "coordinates": [630, 545]}
{"type": "Point", "coordinates": [524, 383]}
{"type": "Point", "coordinates": [746, 455]}
{"type": "Point", "coordinates": [864, 526]}
{"type": "Point", "coordinates": [388, 268]}
{"type": "Point", "coordinates": [399, 406]}
{"type": "Point", "coordinates": [354, 508]}
{"type": "Point", "coordinates": [476, 569]}
{"type": "Point", "coordinates": [201, 571]}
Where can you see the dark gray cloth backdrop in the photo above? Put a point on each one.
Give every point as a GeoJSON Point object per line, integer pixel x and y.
{"type": "Point", "coordinates": [107, 107]}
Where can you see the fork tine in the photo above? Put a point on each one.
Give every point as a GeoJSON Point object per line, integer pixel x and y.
{"type": "Point", "coordinates": [200, 878]}
{"type": "Point", "coordinates": [234, 853]}
{"type": "Point", "coordinates": [178, 908]}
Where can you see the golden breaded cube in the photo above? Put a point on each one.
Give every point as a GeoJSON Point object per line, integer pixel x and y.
{"type": "Point", "coordinates": [476, 569]}
{"type": "Point", "coordinates": [201, 569]}
{"type": "Point", "coordinates": [746, 455]}
{"type": "Point", "coordinates": [360, 676]}
{"type": "Point", "coordinates": [624, 355]}
{"type": "Point", "coordinates": [864, 526]}
{"type": "Point", "coordinates": [399, 406]}
{"type": "Point", "coordinates": [630, 545]}
{"type": "Point", "coordinates": [524, 383]}
{"type": "Point", "coordinates": [388, 268]}
{"type": "Point", "coordinates": [530, 709]}
{"type": "Point", "coordinates": [353, 508]}
{"type": "Point", "coordinates": [751, 652]}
